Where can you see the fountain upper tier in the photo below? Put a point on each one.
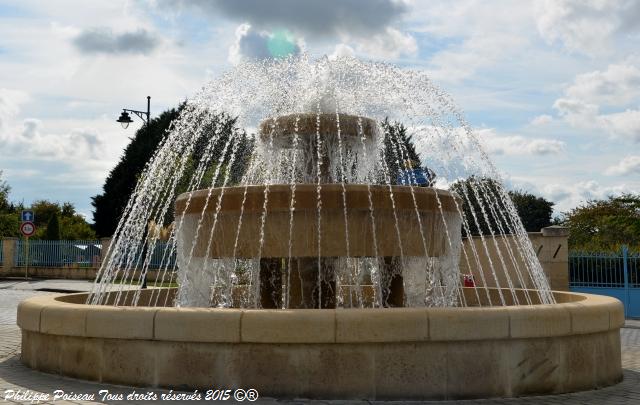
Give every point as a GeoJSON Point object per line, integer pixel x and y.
{"type": "Point", "coordinates": [282, 129]}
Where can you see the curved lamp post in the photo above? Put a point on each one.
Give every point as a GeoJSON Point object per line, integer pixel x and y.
{"type": "Point", "coordinates": [125, 118]}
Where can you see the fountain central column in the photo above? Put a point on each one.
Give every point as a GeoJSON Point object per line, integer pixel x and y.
{"type": "Point", "coordinates": [311, 280]}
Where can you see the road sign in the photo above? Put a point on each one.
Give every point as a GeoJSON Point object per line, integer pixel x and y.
{"type": "Point", "coordinates": [27, 216]}
{"type": "Point", "coordinates": [27, 228]}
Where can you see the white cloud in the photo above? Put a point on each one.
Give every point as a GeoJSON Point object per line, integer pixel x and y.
{"type": "Point", "coordinates": [587, 26]}
{"type": "Point", "coordinates": [628, 165]}
{"type": "Point", "coordinates": [33, 142]}
{"type": "Point", "coordinates": [10, 102]}
{"type": "Point", "coordinates": [479, 51]}
{"type": "Point", "coordinates": [541, 120]}
{"type": "Point", "coordinates": [31, 128]}
{"type": "Point", "coordinates": [577, 113]}
{"type": "Point", "coordinates": [589, 93]}
{"type": "Point", "coordinates": [626, 124]}
{"type": "Point", "coordinates": [513, 145]}
{"type": "Point", "coordinates": [616, 86]}
{"type": "Point", "coordinates": [389, 44]}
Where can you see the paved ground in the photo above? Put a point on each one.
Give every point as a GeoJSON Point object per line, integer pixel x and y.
{"type": "Point", "coordinates": [18, 284]}
{"type": "Point", "coordinates": [17, 378]}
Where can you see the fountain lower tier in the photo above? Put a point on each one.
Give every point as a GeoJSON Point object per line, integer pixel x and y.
{"type": "Point", "coordinates": [399, 353]}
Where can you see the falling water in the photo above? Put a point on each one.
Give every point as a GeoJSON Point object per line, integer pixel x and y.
{"type": "Point", "coordinates": [284, 184]}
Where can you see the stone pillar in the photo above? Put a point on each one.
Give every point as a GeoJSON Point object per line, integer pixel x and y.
{"type": "Point", "coordinates": [305, 290]}
{"type": "Point", "coordinates": [392, 283]}
{"type": "Point", "coordinates": [8, 251]}
{"type": "Point", "coordinates": [271, 283]}
{"type": "Point", "coordinates": [104, 242]}
{"type": "Point", "coordinates": [553, 254]}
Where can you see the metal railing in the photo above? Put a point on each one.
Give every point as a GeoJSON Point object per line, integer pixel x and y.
{"type": "Point", "coordinates": [160, 257]}
{"type": "Point", "coordinates": [58, 253]}
{"type": "Point", "coordinates": [604, 269]}
{"type": "Point", "coordinates": [82, 254]}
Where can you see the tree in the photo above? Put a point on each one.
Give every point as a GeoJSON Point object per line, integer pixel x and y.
{"type": "Point", "coordinates": [121, 181]}
{"type": "Point", "coordinates": [478, 193]}
{"type": "Point", "coordinates": [4, 194]}
{"type": "Point", "coordinates": [605, 224]}
{"type": "Point", "coordinates": [400, 154]}
{"type": "Point", "coordinates": [9, 221]}
{"type": "Point", "coordinates": [535, 212]}
{"type": "Point", "coordinates": [71, 225]}
{"type": "Point", "coordinates": [44, 211]}
{"type": "Point", "coordinates": [53, 228]}
{"type": "Point", "coordinates": [9, 225]}
{"type": "Point", "coordinates": [75, 227]}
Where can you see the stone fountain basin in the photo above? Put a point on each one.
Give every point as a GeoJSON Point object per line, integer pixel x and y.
{"type": "Point", "coordinates": [402, 353]}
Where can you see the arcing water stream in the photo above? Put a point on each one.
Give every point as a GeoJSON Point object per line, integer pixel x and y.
{"type": "Point", "coordinates": [321, 200]}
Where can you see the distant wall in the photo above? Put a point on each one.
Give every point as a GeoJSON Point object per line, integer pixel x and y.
{"type": "Point", "coordinates": [550, 246]}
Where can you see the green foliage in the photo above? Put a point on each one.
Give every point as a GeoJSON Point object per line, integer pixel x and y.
{"type": "Point", "coordinates": [9, 213]}
{"type": "Point", "coordinates": [122, 179]}
{"type": "Point", "coordinates": [471, 205]}
{"type": "Point", "coordinates": [53, 228]}
{"type": "Point", "coordinates": [44, 211]}
{"type": "Point", "coordinates": [535, 212]}
{"type": "Point", "coordinates": [121, 182]}
{"type": "Point", "coordinates": [75, 227]}
{"type": "Point", "coordinates": [9, 225]}
{"type": "Point", "coordinates": [605, 225]}
{"type": "Point", "coordinates": [71, 225]}
{"type": "Point", "coordinates": [400, 152]}
{"type": "Point", "coordinates": [4, 194]}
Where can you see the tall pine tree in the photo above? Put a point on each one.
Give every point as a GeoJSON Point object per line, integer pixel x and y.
{"type": "Point", "coordinates": [401, 156]}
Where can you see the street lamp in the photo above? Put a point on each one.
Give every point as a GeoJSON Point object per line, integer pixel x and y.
{"type": "Point", "coordinates": [125, 118]}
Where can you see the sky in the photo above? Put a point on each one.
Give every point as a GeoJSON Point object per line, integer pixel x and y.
{"type": "Point", "coordinates": [551, 87]}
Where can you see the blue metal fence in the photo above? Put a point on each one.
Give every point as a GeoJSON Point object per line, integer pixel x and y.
{"type": "Point", "coordinates": [613, 274]}
{"type": "Point", "coordinates": [81, 253]}
{"type": "Point", "coordinates": [161, 257]}
{"type": "Point", "coordinates": [58, 253]}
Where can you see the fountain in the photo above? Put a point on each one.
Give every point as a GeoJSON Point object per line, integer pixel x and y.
{"type": "Point", "coordinates": [319, 256]}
